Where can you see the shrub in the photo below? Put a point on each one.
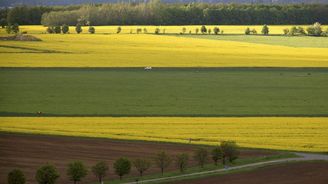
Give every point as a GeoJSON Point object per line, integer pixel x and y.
{"type": "Point", "coordinates": [141, 165]}
{"type": "Point", "coordinates": [201, 156]}
{"type": "Point", "coordinates": [118, 30]}
{"type": "Point", "coordinates": [15, 28]}
{"type": "Point", "coordinates": [65, 28]}
{"type": "Point", "coordinates": [139, 30]}
{"type": "Point", "coordinates": [145, 30]}
{"type": "Point", "coordinates": [3, 22]}
{"type": "Point", "coordinates": [99, 170]}
{"type": "Point", "coordinates": [286, 31]}
{"type": "Point", "coordinates": [78, 28]}
{"type": "Point", "coordinates": [8, 29]}
{"type": "Point", "coordinates": [184, 30]}
{"type": "Point", "coordinates": [122, 166]}
{"type": "Point", "coordinates": [182, 161]}
{"type": "Point", "coordinates": [57, 29]}
{"type": "Point", "coordinates": [157, 31]}
{"type": "Point", "coordinates": [47, 174]}
{"type": "Point", "coordinates": [92, 30]}
{"type": "Point", "coordinates": [209, 31]}
{"type": "Point", "coordinates": [203, 29]}
{"type": "Point", "coordinates": [196, 30]}
{"type": "Point", "coordinates": [265, 30]}
{"type": "Point", "coordinates": [16, 177]}
{"type": "Point", "coordinates": [76, 171]}
{"type": "Point", "coordinates": [297, 31]}
{"type": "Point", "coordinates": [162, 160]}
{"type": "Point", "coordinates": [216, 155]}
{"type": "Point", "coordinates": [216, 30]}
{"type": "Point", "coordinates": [253, 31]}
{"type": "Point", "coordinates": [50, 30]}
{"type": "Point", "coordinates": [315, 29]}
{"type": "Point", "coordinates": [229, 151]}
{"type": "Point", "coordinates": [247, 31]}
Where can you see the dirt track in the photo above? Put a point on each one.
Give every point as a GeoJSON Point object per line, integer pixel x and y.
{"type": "Point", "coordinates": [28, 152]}
{"type": "Point", "coordinates": [294, 173]}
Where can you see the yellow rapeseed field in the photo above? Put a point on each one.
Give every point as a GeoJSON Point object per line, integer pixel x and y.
{"type": "Point", "coordinates": [298, 134]}
{"type": "Point", "coordinates": [140, 50]}
{"type": "Point", "coordinates": [132, 50]}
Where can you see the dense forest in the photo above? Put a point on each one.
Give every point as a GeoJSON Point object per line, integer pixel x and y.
{"type": "Point", "coordinates": [7, 3]}
{"type": "Point", "coordinates": [157, 13]}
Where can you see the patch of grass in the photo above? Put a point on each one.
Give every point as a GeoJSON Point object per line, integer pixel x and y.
{"type": "Point", "coordinates": [290, 41]}
{"type": "Point", "coordinates": [164, 92]}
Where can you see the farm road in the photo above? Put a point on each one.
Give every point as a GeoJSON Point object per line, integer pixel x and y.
{"type": "Point", "coordinates": [302, 157]}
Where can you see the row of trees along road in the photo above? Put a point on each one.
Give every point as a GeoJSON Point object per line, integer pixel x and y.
{"type": "Point", "coordinates": [156, 13]}
{"type": "Point", "coordinates": [227, 151]}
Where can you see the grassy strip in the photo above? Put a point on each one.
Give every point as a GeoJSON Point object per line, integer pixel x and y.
{"type": "Point", "coordinates": [248, 169]}
{"type": "Point", "coordinates": [164, 92]}
{"type": "Point", "coordinates": [207, 167]}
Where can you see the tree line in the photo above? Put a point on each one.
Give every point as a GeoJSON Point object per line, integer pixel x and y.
{"type": "Point", "coordinates": [156, 13]}
{"type": "Point", "coordinates": [227, 151]}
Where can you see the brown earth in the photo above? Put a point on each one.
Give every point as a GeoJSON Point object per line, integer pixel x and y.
{"type": "Point", "coordinates": [29, 152]}
{"type": "Point", "coordinates": [292, 173]}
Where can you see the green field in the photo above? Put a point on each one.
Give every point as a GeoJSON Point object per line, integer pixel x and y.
{"type": "Point", "coordinates": [289, 41]}
{"type": "Point", "coordinates": [164, 92]}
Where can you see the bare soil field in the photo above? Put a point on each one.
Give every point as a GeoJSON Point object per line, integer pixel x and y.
{"type": "Point", "coordinates": [28, 152]}
{"type": "Point", "coordinates": [293, 173]}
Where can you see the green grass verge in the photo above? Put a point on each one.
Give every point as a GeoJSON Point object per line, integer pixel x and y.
{"type": "Point", "coordinates": [207, 167]}
{"type": "Point", "coordinates": [248, 169]}
{"type": "Point", "coordinates": [290, 41]}
{"type": "Point", "coordinates": [164, 92]}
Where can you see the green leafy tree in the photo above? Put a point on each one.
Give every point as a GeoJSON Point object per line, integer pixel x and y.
{"type": "Point", "coordinates": [100, 170]}
{"type": "Point", "coordinates": [78, 28]}
{"type": "Point", "coordinates": [247, 31]}
{"type": "Point", "coordinates": [253, 31]}
{"type": "Point", "coordinates": [163, 161]}
{"type": "Point", "coordinates": [50, 30]}
{"type": "Point", "coordinates": [315, 29]}
{"type": "Point", "coordinates": [229, 151]}
{"type": "Point", "coordinates": [216, 155]}
{"type": "Point", "coordinates": [8, 29]}
{"type": "Point", "coordinates": [286, 31]}
{"type": "Point", "coordinates": [15, 28]}
{"type": "Point", "coordinates": [65, 28]}
{"type": "Point", "coordinates": [141, 165]}
{"type": "Point", "coordinates": [184, 30]}
{"type": "Point", "coordinates": [47, 174]}
{"type": "Point", "coordinates": [201, 156]}
{"type": "Point", "coordinates": [265, 30]}
{"type": "Point", "coordinates": [216, 30]}
{"type": "Point", "coordinates": [92, 30]}
{"type": "Point", "coordinates": [119, 29]}
{"type": "Point", "coordinates": [182, 161]}
{"type": "Point", "coordinates": [76, 171]}
{"type": "Point", "coordinates": [57, 29]}
{"type": "Point", "coordinates": [157, 31]}
{"type": "Point", "coordinates": [122, 166]}
{"type": "Point", "coordinates": [16, 176]}
{"type": "Point", "coordinates": [203, 29]}
{"type": "Point", "coordinates": [3, 22]}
